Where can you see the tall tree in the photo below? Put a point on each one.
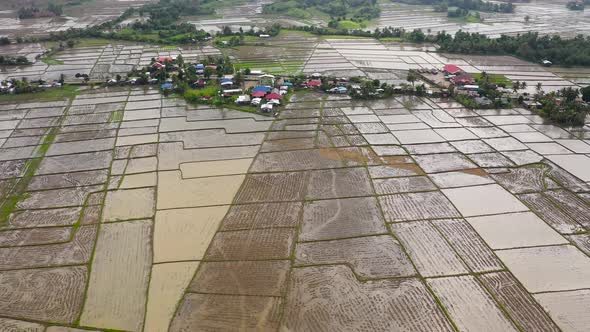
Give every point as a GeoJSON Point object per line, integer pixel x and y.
{"type": "Point", "coordinates": [586, 94]}
{"type": "Point", "coordinates": [412, 77]}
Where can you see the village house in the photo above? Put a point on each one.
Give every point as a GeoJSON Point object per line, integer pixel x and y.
{"type": "Point", "coordinates": [165, 59]}
{"type": "Point", "coordinates": [462, 79]}
{"type": "Point", "coordinates": [314, 83]}
{"type": "Point", "coordinates": [451, 69]}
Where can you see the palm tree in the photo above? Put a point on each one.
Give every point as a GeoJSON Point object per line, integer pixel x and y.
{"type": "Point", "coordinates": [539, 89]}
{"type": "Point", "coordinates": [516, 86]}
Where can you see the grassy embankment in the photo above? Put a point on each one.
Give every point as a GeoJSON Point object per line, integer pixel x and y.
{"type": "Point", "coordinates": [53, 94]}
{"type": "Point", "coordinates": [497, 79]}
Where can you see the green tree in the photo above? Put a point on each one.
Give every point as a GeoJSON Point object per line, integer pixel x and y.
{"type": "Point", "coordinates": [484, 77]}
{"type": "Point", "coordinates": [239, 77]}
{"type": "Point", "coordinates": [586, 94]}
{"type": "Point", "coordinates": [412, 77]}
{"type": "Point", "coordinates": [539, 91]}
{"type": "Point", "coordinates": [516, 86]}
{"type": "Point", "coordinates": [55, 8]}
{"type": "Point", "coordinates": [569, 94]}
{"type": "Point", "coordinates": [208, 72]}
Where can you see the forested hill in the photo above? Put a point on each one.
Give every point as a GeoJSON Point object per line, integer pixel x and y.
{"type": "Point", "coordinates": [357, 10]}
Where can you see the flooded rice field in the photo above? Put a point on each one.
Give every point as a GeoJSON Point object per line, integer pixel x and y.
{"type": "Point", "coordinates": [285, 54]}
{"type": "Point", "coordinates": [293, 52]}
{"type": "Point", "coordinates": [245, 15]}
{"type": "Point", "coordinates": [290, 53]}
{"type": "Point", "coordinates": [88, 13]}
{"type": "Point", "coordinates": [336, 215]}
{"type": "Point", "coordinates": [545, 17]}
{"type": "Point", "coordinates": [99, 62]}
{"type": "Point", "coordinates": [390, 61]}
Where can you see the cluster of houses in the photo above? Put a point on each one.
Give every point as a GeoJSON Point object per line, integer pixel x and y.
{"type": "Point", "coordinates": [8, 87]}
{"type": "Point", "coordinates": [339, 86]}
{"type": "Point", "coordinates": [228, 85]}
{"type": "Point", "coordinates": [168, 63]}
{"type": "Point", "coordinates": [459, 77]}
{"type": "Point", "coordinates": [464, 83]}
{"type": "Point", "coordinates": [269, 91]}
{"type": "Point", "coordinates": [267, 94]}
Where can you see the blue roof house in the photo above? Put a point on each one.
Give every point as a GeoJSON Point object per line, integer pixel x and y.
{"type": "Point", "coordinates": [262, 88]}
{"type": "Point", "coordinates": [167, 86]}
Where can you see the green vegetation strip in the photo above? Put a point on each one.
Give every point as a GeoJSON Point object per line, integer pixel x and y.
{"type": "Point", "coordinates": [494, 78]}
{"type": "Point", "coordinates": [52, 94]}
{"type": "Point", "coordinates": [116, 116]}
{"type": "Point", "coordinates": [51, 61]}
{"type": "Point", "coordinates": [19, 185]}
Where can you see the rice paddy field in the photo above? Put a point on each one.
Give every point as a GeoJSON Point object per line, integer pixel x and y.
{"type": "Point", "coordinates": [122, 209]}
{"type": "Point", "coordinates": [104, 60]}
{"type": "Point", "coordinates": [545, 17]}
{"type": "Point", "coordinates": [89, 13]}
{"type": "Point", "coordinates": [126, 210]}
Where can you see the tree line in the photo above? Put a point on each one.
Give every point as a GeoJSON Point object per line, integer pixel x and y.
{"type": "Point", "coordinates": [529, 46]}
{"type": "Point", "coordinates": [20, 60]}
{"type": "Point", "coordinates": [53, 9]}
{"type": "Point", "coordinates": [355, 10]}
{"type": "Point", "coordinates": [167, 12]}
{"type": "Point", "coordinates": [577, 5]}
{"type": "Point", "coordinates": [477, 5]}
{"type": "Point", "coordinates": [564, 106]}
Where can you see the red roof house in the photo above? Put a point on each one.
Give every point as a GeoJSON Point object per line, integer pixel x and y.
{"type": "Point", "coordinates": [273, 96]}
{"type": "Point", "coordinates": [452, 69]}
{"type": "Point", "coordinates": [164, 59]}
{"type": "Point", "coordinates": [314, 83]}
{"type": "Point", "coordinates": [462, 79]}
{"type": "Point", "coordinates": [258, 94]}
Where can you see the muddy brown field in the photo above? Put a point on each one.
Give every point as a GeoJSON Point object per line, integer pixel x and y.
{"type": "Point", "coordinates": [338, 214]}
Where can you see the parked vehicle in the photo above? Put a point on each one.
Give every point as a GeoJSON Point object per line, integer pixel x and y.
{"type": "Point", "coordinates": [266, 107]}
